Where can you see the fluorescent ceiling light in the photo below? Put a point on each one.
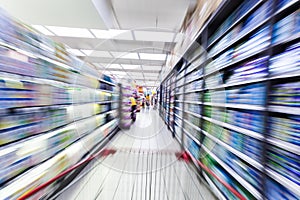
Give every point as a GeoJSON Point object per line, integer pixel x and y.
{"type": "Point", "coordinates": [131, 66]}
{"type": "Point", "coordinates": [125, 55]}
{"type": "Point", "coordinates": [149, 67]}
{"type": "Point", "coordinates": [154, 36]}
{"type": "Point", "coordinates": [43, 30]}
{"type": "Point", "coordinates": [75, 52]}
{"type": "Point", "coordinates": [112, 34]}
{"type": "Point", "coordinates": [152, 56]}
{"type": "Point", "coordinates": [71, 32]}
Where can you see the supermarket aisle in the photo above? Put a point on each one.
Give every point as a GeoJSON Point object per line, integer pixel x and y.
{"type": "Point", "coordinates": [143, 167]}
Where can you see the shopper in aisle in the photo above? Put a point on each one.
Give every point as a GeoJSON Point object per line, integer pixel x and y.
{"type": "Point", "coordinates": [133, 108]}
{"type": "Point", "coordinates": [148, 101]}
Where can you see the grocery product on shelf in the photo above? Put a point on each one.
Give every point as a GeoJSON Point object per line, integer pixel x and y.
{"type": "Point", "coordinates": [280, 66]}
{"type": "Point", "coordinates": [286, 94]}
{"type": "Point", "coordinates": [239, 104]}
{"type": "Point", "coordinates": [286, 27]}
{"type": "Point", "coordinates": [52, 104]}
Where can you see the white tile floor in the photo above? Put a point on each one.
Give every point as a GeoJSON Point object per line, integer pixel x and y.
{"type": "Point", "coordinates": [144, 167]}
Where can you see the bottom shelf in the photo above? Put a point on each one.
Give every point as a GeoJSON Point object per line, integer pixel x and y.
{"type": "Point", "coordinates": [214, 188]}
{"type": "Point", "coordinates": [55, 165]}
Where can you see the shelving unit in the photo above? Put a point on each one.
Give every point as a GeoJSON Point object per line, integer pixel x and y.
{"type": "Point", "coordinates": [125, 105]}
{"type": "Point", "coordinates": [235, 98]}
{"type": "Point", "coordinates": [54, 108]}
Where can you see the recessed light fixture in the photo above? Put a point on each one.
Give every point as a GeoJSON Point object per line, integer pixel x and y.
{"type": "Point", "coordinates": [71, 32]}
{"type": "Point", "coordinates": [43, 30]}
{"type": "Point", "coordinates": [152, 56]}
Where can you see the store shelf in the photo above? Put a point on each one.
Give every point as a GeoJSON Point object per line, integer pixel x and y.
{"type": "Point", "coordinates": [240, 38]}
{"type": "Point", "coordinates": [107, 82]}
{"type": "Point", "coordinates": [192, 125]}
{"type": "Point", "coordinates": [35, 55]}
{"type": "Point", "coordinates": [285, 76]}
{"type": "Point", "coordinates": [193, 102]}
{"type": "Point", "coordinates": [105, 102]}
{"type": "Point", "coordinates": [284, 145]}
{"type": "Point", "coordinates": [192, 91]}
{"type": "Point", "coordinates": [194, 114]}
{"type": "Point", "coordinates": [192, 137]}
{"type": "Point", "coordinates": [284, 181]}
{"type": "Point", "coordinates": [234, 62]}
{"type": "Point", "coordinates": [194, 160]}
{"type": "Point", "coordinates": [108, 91]}
{"type": "Point", "coordinates": [195, 79]}
{"type": "Point", "coordinates": [243, 17]}
{"type": "Point", "coordinates": [246, 61]}
{"type": "Point", "coordinates": [285, 109]}
{"type": "Point", "coordinates": [178, 116]}
{"type": "Point", "coordinates": [287, 6]}
{"type": "Point", "coordinates": [178, 108]}
{"type": "Point", "coordinates": [179, 93]}
{"type": "Point", "coordinates": [241, 155]}
{"type": "Point", "coordinates": [235, 175]}
{"type": "Point", "coordinates": [239, 83]}
{"type": "Point", "coordinates": [235, 128]}
{"type": "Point", "coordinates": [214, 188]}
{"type": "Point", "coordinates": [288, 40]}
{"type": "Point", "coordinates": [177, 124]}
{"type": "Point", "coordinates": [238, 106]}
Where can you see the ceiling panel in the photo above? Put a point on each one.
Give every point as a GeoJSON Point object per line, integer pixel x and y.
{"type": "Point", "coordinates": [136, 67]}
{"type": "Point", "coordinates": [67, 13]}
{"type": "Point", "coordinates": [151, 78]}
{"type": "Point", "coordinates": [150, 75]}
{"type": "Point", "coordinates": [137, 77]}
{"type": "Point", "coordinates": [140, 82]}
{"type": "Point", "coordinates": [136, 73]}
{"type": "Point", "coordinates": [123, 61]}
{"type": "Point", "coordinates": [166, 14]}
{"type": "Point", "coordinates": [147, 67]}
{"type": "Point", "coordinates": [113, 45]}
{"type": "Point", "coordinates": [104, 54]}
{"type": "Point", "coordinates": [126, 55]}
{"type": "Point", "coordinates": [154, 36]}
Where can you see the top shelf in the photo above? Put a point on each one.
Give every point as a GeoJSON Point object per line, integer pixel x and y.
{"type": "Point", "coordinates": [243, 17]}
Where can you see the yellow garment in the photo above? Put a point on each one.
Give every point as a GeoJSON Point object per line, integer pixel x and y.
{"type": "Point", "coordinates": [148, 97]}
{"type": "Point", "coordinates": [133, 102]}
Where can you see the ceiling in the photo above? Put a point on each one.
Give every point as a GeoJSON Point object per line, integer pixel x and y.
{"type": "Point", "coordinates": [123, 38]}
